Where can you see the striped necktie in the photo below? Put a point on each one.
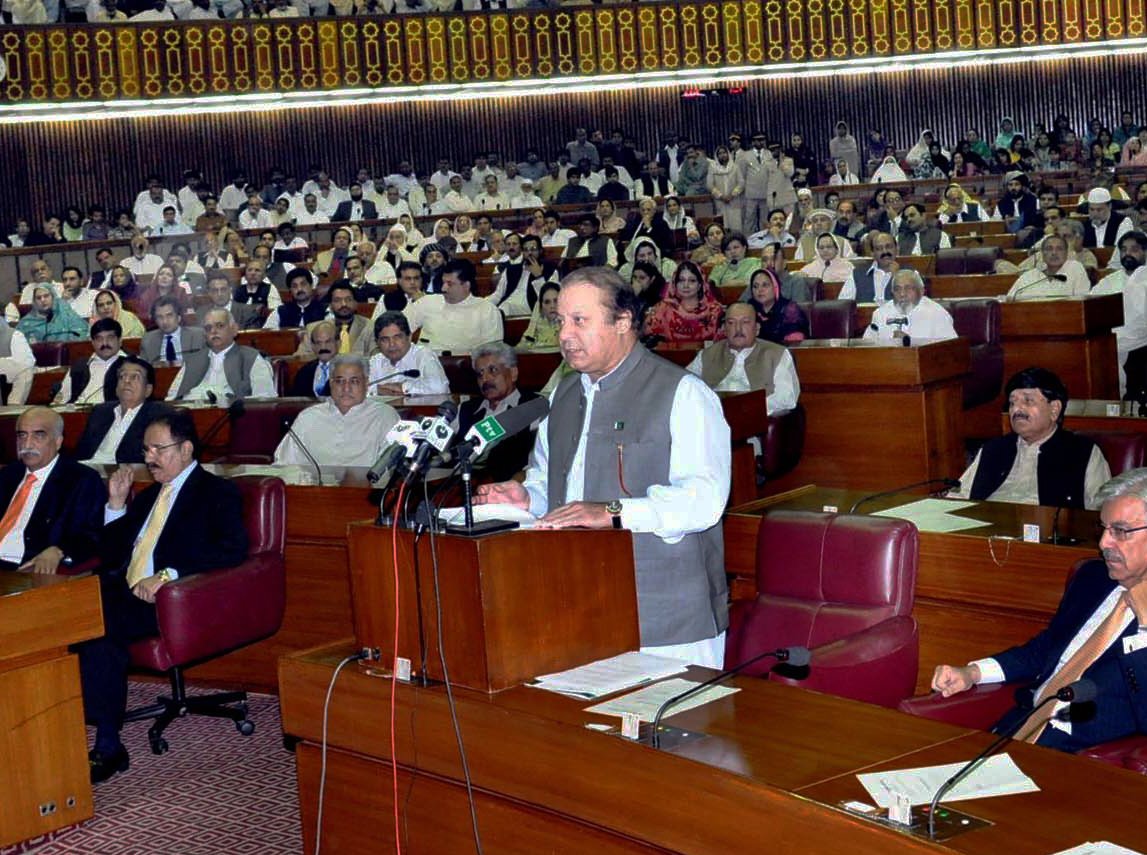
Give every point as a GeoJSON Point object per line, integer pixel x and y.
{"type": "Point", "coordinates": [16, 506]}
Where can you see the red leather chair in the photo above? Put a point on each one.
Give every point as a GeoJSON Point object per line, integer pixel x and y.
{"type": "Point", "coordinates": [830, 318]}
{"type": "Point", "coordinates": [843, 586]}
{"type": "Point", "coordinates": [1123, 451]}
{"type": "Point", "coordinates": [782, 443]}
{"type": "Point", "coordinates": [258, 431]}
{"type": "Point", "coordinates": [979, 322]}
{"type": "Point", "coordinates": [50, 354]}
{"type": "Point", "coordinates": [950, 262]}
{"type": "Point", "coordinates": [982, 706]}
{"type": "Point", "coordinates": [209, 614]}
{"type": "Point", "coordinates": [982, 259]}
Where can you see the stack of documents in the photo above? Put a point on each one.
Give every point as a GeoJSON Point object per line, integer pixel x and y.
{"type": "Point", "coordinates": [493, 511]}
{"type": "Point", "coordinates": [608, 676]}
{"type": "Point", "coordinates": [934, 515]}
{"type": "Point", "coordinates": [1100, 848]}
{"type": "Point", "coordinates": [996, 776]}
{"type": "Point", "coordinates": [648, 701]}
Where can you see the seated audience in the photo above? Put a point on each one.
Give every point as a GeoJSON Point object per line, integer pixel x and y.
{"type": "Point", "coordinates": [1092, 636]}
{"type": "Point", "coordinates": [141, 262]}
{"type": "Point", "coordinates": [223, 371]}
{"type": "Point", "coordinates": [151, 542]}
{"type": "Point", "coordinates": [542, 333]}
{"type": "Point", "coordinates": [744, 361]}
{"type": "Point", "coordinates": [171, 341]}
{"type": "Point", "coordinates": [255, 289]}
{"type": "Point", "coordinates": [496, 366]}
{"type": "Point", "coordinates": [219, 292]}
{"type": "Point", "coordinates": [648, 283]}
{"type": "Point", "coordinates": [409, 290]}
{"type": "Point", "coordinates": [164, 284]}
{"type": "Point", "coordinates": [455, 321]}
{"type": "Point", "coordinates": [333, 261]}
{"type": "Point", "coordinates": [353, 332]}
{"type": "Point", "coordinates": [51, 319]}
{"type": "Point", "coordinates": [1130, 280]}
{"type": "Point", "coordinates": [709, 252]}
{"type": "Point", "coordinates": [1104, 226]}
{"type": "Point", "coordinates": [114, 430]}
{"type": "Point", "coordinates": [396, 353]}
{"type": "Point", "coordinates": [518, 278]}
{"type": "Point", "coordinates": [917, 235]}
{"type": "Point", "coordinates": [829, 265]}
{"type": "Point", "coordinates": [872, 284]}
{"type": "Point", "coordinates": [313, 379]}
{"type": "Point", "coordinates": [434, 257]}
{"type": "Point", "coordinates": [599, 249]}
{"type": "Point", "coordinates": [75, 294]}
{"type": "Point", "coordinates": [1060, 276]}
{"type": "Point", "coordinates": [689, 311]}
{"type": "Point", "coordinates": [17, 365]}
{"type": "Point", "coordinates": [780, 320]}
{"type": "Point", "coordinates": [909, 314]}
{"type": "Point", "coordinates": [1040, 462]}
{"type": "Point", "coordinates": [41, 275]}
{"type": "Point", "coordinates": [736, 269]}
{"type": "Point", "coordinates": [93, 380]}
{"type": "Point", "coordinates": [348, 429]}
{"type": "Point", "coordinates": [305, 308]}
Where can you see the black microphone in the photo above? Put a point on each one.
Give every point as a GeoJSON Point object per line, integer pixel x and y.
{"type": "Point", "coordinates": [412, 373]}
{"type": "Point", "coordinates": [1047, 277]}
{"type": "Point", "coordinates": [1057, 538]}
{"type": "Point", "coordinates": [1080, 692]}
{"type": "Point", "coordinates": [388, 460]}
{"type": "Point", "coordinates": [948, 484]}
{"type": "Point", "coordinates": [437, 436]}
{"type": "Point", "coordinates": [795, 657]}
{"type": "Point", "coordinates": [290, 431]}
{"type": "Point", "coordinates": [234, 411]}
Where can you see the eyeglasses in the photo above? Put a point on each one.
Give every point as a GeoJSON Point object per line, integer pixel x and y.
{"type": "Point", "coordinates": [1117, 532]}
{"type": "Point", "coordinates": [155, 449]}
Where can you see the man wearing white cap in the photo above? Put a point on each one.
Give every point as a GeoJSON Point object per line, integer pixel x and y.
{"type": "Point", "coordinates": [1104, 227]}
{"type": "Point", "coordinates": [526, 197]}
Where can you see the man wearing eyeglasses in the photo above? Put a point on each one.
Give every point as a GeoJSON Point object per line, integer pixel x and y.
{"type": "Point", "coordinates": [185, 522]}
{"type": "Point", "coordinates": [1098, 633]}
{"type": "Point", "coordinates": [1040, 462]}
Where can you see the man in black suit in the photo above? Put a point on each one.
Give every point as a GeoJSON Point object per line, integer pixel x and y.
{"type": "Point", "coordinates": [114, 430]}
{"type": "Point", "coordinates": [186, 522]}
{"type": "Point", "coordinates": [52, 503]}
{"type": "Point", "coordinates": [356, 208]}
{"type": "Point", "coordinates": [313, 380]}
{"type": "Point", "coordinates": [496, 365]}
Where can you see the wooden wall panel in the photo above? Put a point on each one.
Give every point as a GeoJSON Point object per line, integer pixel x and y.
{"type": "Point", "coordinates": [51, 164]}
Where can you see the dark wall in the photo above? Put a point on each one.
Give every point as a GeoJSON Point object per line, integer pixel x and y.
{"type": "Point", "coordinates": [47, 165]}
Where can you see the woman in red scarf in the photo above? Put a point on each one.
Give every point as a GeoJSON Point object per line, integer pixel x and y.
{"type": "Point", "coordinates": [689, 312]}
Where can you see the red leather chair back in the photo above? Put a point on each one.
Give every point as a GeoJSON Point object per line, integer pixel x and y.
{"type": "Point", "coordinates": [830, 318]}
{"type": "Point", "coordinates": [979, 322]}
{"type": "Point", "coordinates": [982, 259]}
{"type": "Point", "coordinates": [50, 354]}
{"type": "Point", "coordinates": [257, 433]}
{"type": "Point", "coordinates": [976, 320]}
{"type": "Point", "coordinates": [783, 442]}
{"type": "Point", "coordinates": [950, 262]}
{"type": "Point", "coordinates": [1123, 451]}
{"type": "Point", "coordinates": [264, 513]}
{"type": "Point", "coordinates": [822, 576]}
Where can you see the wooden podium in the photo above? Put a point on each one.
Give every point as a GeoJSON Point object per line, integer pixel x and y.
{"type": "Point", "coordinates": [514, 605]}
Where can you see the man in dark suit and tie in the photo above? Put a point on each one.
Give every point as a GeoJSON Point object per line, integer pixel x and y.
{"type": "Point", "coordinates": [313, 380]}
{"type": "Point", "coordinates": [52, 503]}
{"type": "Point", "coordinates": [1099, 632]}
{"type": "Point", "coordinates": [114, 430]}
{"type": "Point", "coordinates": [172, 341]}
{"type": "Point", "coordinates": [496, 365]}
{"type": "Point", "coordinates": [186, 522]}
{"type": "Point", "coordinates": [356, 208]}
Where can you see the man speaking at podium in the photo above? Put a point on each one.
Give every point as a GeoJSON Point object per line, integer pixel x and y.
{"type": "Point", "coordinates": [633, 441]}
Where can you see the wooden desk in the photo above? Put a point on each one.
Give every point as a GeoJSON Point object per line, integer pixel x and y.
{"type": "Point", "coordinates": [976, 593]}
{"type": "Point", "coordinates": [963, 287]}
{"type": "Point", "coordinates": [852, 390]}
{"type": "Point", "coordinates": [271, 342]}
{"type": "Point", "coordinates": [43, 744]}
{"type": "Point", "coordinates": [543, 782]}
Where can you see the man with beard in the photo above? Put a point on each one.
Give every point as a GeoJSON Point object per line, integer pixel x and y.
{"type": "Point", "coordinates": [917, 236]}
{"type": "Point", "coordinates": [1019, 206]}
{"type": "Point", "coordinates": [848, 224]}
{"type": "Point", "coordinates": [1040, 462]}
{"type": "Point", "coordinates": [93, 380]}
{"type": "Point", "coordinates": [496, 366]}
{"type": "Point", "coordinates": [1130, 338]}
{"type": "Point", "coordinates": [1096, 633]}
{"type": "Point", "coordinates": [1103, 227]}
{"type": "Point", "coordinates": [909, 314]}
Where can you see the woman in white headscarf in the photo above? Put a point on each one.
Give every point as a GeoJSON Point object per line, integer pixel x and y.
{"type": "Point", "coordinates": [889, 170]}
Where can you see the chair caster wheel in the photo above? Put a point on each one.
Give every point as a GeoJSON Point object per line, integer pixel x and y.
{"type": "Point", "coordinates": [158, 744]}
{"type": "Point", "coordinates": [245, 727]}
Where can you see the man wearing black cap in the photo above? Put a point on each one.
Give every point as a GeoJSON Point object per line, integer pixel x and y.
{"type": "Point", "coordinates": [1040, 462]}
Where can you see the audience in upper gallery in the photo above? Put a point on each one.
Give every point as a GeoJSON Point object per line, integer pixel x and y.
{"type": "Point", "coordinates": [396, 354]}
{"type": "Point", "coordinates": [909, 315]}
{"type": "Point", "coordinates": [114, 429]}
{"type": "Point", "coordinates": [223, 371]}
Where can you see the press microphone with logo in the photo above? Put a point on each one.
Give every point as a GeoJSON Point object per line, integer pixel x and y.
{"type": "Point", "coordinates": [795, 657]}
{"type": "Point", "coordinates": [946, 483]}
{"type": "Point", "coordinates": [400, 444]}
{"type": "Point", "coordinates": [1080, 692]}
{"type": "Point", "coordinates": [494, 429]}
{"type": "Point", "coordinates": [1047, 277]}
{"type": "Point", "coordinates": [434, 434]}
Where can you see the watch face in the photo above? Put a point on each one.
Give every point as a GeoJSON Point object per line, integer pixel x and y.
{"type": "Point", "coordinates": [613, 507]}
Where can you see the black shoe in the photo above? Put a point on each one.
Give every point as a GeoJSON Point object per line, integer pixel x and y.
{"type": "Point", "coordinates": [103, 765]}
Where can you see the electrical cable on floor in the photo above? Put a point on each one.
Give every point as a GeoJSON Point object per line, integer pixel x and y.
{"type": "Point", "coordinates": [323, 764]}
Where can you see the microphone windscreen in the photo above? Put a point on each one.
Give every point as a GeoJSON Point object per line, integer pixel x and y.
{"type": "Point", "coordinates": [448, 409]}
{"type": "Point", "coordinates": [1080, 692]}
{"type": "Point", "coordinates": [798, 657]}
{"type": "Point", "coordinates": [412, 373]}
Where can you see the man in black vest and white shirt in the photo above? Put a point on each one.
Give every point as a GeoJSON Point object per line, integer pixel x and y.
{"type": "Point", "coordinates": [873, 284]}
{"type": "Point", "coordinates": [1103, 227]}
{"type": "Point", "coordinates": [1039, 463]}
{"type": "Point", "coordinates": [633, 441]}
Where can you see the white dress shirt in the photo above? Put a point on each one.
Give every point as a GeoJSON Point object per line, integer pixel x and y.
{"type": "Point", "coordinates": [560, 237]}
{"type": "Point", "coordinates": [1035, 284]}
{"type": "Point", "coordinates": [881, 282]}
{"type": "Point", "coordinates": [215, 380]}
{"type": "Point", "coordinates": [431, 379]}
{"type": "Point", "coordinates": [18, 368]}
{"type": "Point", "coordinates": [1133, 333]}
{"type": "Point", "coordinates": [146, 266]}
{"type": "Point", "coordinates": [12, 547]}
{"type": "Point", "coordinates": [926, 320]}
{"type": "Point", "coordinates": [106, 452]}
{"type": "Point", "coordinates": [455, 327]}
{"type": "Point", "coordinates": [93, 393]}
{"type": "Point", "coordinates": [83, 304]}
{"type": "Point", "coordinates": [305, 218]}
{"type": "Point", "coordinates": [786, 385]}
{"type": "Point", "coordinates": [176, 484]}
{"type": "Point", "coordinates": [261, 219]}
{"type": "Point", "coordinates": [355, 438]}
{"type": "Point", "coordinates": [387, 211]}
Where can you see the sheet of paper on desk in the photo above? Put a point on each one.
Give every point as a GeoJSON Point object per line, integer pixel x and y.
{"type": "Point", "coordinates": [645, 702]}
{"type": "Point", "coordinates": [1100, 848]}
{"type": "Point", "coordinates": [996, 776]}
{"type": "Point", "coordinates": [934, 515]}
{"type": "Point", "coordinates": [456, 516]}
{"type": "Point", "coordinates": [607, 676]}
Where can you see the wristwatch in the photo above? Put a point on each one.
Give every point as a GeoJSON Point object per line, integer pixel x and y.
{"type": "Point", "coordinates": [614, 508]}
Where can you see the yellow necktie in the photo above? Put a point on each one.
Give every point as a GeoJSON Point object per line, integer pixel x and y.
{"type": "Point", "coordinates": [16, 506]}
{"type": "Point", "coordinates": [146, 543]}
{"type": "Point", "coordinates": [344, 339]}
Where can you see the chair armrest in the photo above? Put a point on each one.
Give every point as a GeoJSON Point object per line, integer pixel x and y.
{"type": "Point", "coordinates": [1129, 752]}
{"type": "Point", "coordinates": [1136, 761]}
{"type": "Point", "coordinates": [877, 665]}
{"type": "Point", "coordinates": [979, 707]}
{"type": "Point", "coordinates": [210, 613]}
{"type": "Point", "coordinates": [91, 565]}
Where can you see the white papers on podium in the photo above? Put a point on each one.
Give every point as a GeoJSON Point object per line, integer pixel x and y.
{"type": "Point", "coordinates": [1100, 848]}
{"type": "Point", "coordinates": [934, 515]}
{"type": "Point", "coordinates": [996, 776]}
{"type": "Point", "coordinates": [646, 702]}
{"type": "Point", "coordinates": [482, 513]}
{"type": "Point", "coordinates": [607, 676]}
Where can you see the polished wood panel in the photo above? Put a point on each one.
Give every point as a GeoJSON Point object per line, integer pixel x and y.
{"type": "Point", "coordinates": [511, 609]}
{"type": "Point", "coordinates": [43, 744]}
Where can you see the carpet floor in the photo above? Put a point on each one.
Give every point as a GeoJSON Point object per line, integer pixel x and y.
{"type": "Point", "coordinates": [215, 792]}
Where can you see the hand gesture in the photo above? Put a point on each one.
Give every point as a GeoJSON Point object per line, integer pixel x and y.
{"type": "Point", "coordinates": [119, 487]}
{"type": "Point", "coordinates": [950, 680]}
{"type": "Point", "coordinates": [504, 493]}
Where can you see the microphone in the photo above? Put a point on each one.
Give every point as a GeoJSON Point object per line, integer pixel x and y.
{"type": "Point", "coordinates": [412, 373]}
{"type": "Point", "coordinates": [212, 398]}
{"type": "Point", "coordinates": [947, 483]}
{"type": "Point", "coordinates": [1057, 538]}
{"type": "Point", "coordinates": [435, 433]}
{"type": "Point", "coordinates": [494, 429]}
{"type": "Point", "coordinates": [290, 431]}
{"type": "Point", "coordinates": [1080, 692]}
{"type": "Point", "coordinates": [234, 411]}
{"type": "Point", "coordinates": [391, 456]}
{"type": "Point", "coordinates": [402, 436]}
{"type": "Point", "coordinates": [1047, 277]}
{"type": "Point", "coordinates": [796, 657]}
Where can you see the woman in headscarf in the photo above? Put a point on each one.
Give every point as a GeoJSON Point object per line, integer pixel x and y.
{"type": "Point", "coordinates": [414, 238]}
{"type": "Point", "coordinates": [108, 305]}
{"type": "Point", "coordinates": [689, 312]}
{"type": "Point", "coordinates": [611, 223]}
{"type": "Point", "coordinates": [51, 319]}
{"type": "Point", "coordinates": [543, 329]}
{"type": "Point", "coordinates": [123, 282]}
{"type": "Point", "coordinates": [828, 266]}
{"type": "Point", "coordinates": [1134, 152]}
{"type": "Point", "coordinates": [843, 175]}
{"type": "Point", "coordinates": [888, 171]}
{"type": "Point", "coordinates": [782, 321]}
{"type": "Point", "coordinates": [442, 236]}
{"type": "Point", "coordinates": [648, 283]}
{"type": "Point", "coordinates": [645, 249]}
{"type": "Point", "coordinates": [1007, 131]}
{"type": "Point", "coordinates": [804, 161]}
{"type": "Point", "coordinates": [677, 219]}
{"type": "Point", "coordinates": [433, 258]}
{"type": "Point", "coordinates": [709, 252]}
{"type": "Point", "coordinates": [463, 233]}
{"type": "Point", "coordinates": [843, 145]}
{"type": "Point", "coordinates": [921, 149]}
